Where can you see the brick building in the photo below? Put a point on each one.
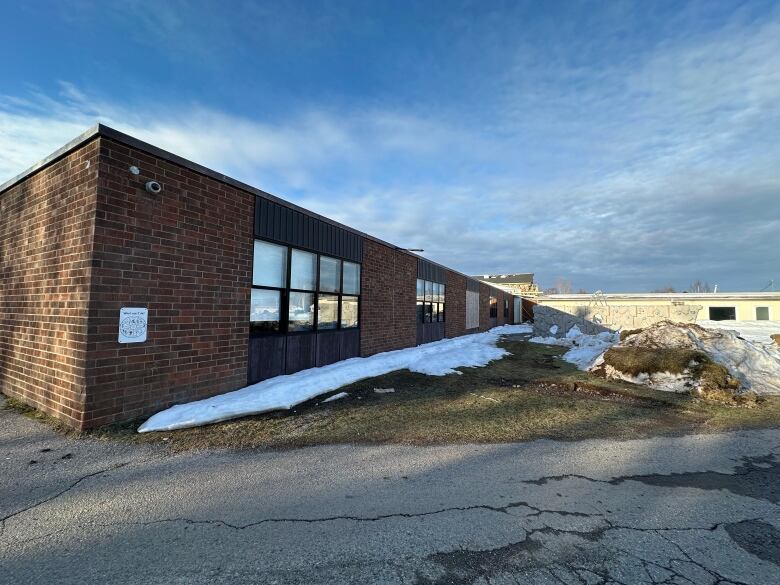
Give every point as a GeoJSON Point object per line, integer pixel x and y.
{"type": "Point", "coordinates": [132, 279]}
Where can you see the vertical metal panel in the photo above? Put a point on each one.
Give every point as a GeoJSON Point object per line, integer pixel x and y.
{"type": "Point", "coordinates": [328, 347]}
{"type": "Point", "coordinates": [266, 357]}
{"type": "Point", "coordinates": [301, 352]}
{"type": "Point", "coordinates": [350, 343]}
{"type": "Point", "coordinates": [288, 226]}
{"type": "Point", "coordinates": [430, 271]}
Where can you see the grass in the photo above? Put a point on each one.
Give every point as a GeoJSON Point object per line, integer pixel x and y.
{"type": "Point", "coordinates": [528, 395]}
{"type": "Point", "coordinates": [714, 381]}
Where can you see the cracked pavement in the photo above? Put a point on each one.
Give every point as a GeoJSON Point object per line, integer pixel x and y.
{"type": "Point", "coordinates": [676, 510]}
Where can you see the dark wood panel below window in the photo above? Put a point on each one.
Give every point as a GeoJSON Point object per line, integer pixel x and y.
{"type": "Point", "coordinates": [273, 355]}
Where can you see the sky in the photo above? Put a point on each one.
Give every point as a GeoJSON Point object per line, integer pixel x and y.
{"type": "Point", "coordinates": [623, 146]}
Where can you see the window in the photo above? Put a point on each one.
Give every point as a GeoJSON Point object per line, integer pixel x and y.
{"type": "Point", "coordinates": [265, 311]}
{"type": "Point", "coordinates": [506, 309]}
{"type": "Point", "coordinates": [327, 311]}
{"type": "Point", "coordinates": [301, 314]}
{"type": "Point", "coordinates": [351, 278]}
{"type": "Point", "coordinates": [270, 265]}
{"type": "Point", "coordinates": [349, 312]}
{"type": "Point", "coordinates": [762, 313]}
{"type": "Point", "coordinates": [723, 313]}
{"type": "Point", "coordinates": [493, 308]}
{"type": "Point", "coordinates": [330, 274]}
{"type": "Point", "coordinates": [430, 301]}
{"type": "Point", "coordinates": [420, 300]}
{"type": "Point", "coordinates": [303, 270]}
{"type": "Point", "coordinates": [296, 291]}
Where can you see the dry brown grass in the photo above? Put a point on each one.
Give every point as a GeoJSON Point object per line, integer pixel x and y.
{"type": "Point", "coordinates": [714, 381]}
{"type": "Point", "coordinates": [528, 395]}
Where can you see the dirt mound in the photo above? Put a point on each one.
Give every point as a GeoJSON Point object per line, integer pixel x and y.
{"type": "Point", "coordinates": [684, 357]}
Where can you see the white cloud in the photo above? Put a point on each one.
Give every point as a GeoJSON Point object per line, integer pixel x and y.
{"type": "Point", "coordinates": [658, 168]}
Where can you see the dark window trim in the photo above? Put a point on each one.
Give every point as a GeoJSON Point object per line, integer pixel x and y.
{"type": "Point", "coordinates": [284, 309]}
{"type": "Point", "coordinates": [429, 304]}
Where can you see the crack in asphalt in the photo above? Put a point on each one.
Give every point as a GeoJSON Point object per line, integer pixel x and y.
{"type": "Point", "coordinates": [757, 477]}
{"type": "Point", "coordinates": [60, 493]}
{"type": "Point", "coordinates": [467, 566]}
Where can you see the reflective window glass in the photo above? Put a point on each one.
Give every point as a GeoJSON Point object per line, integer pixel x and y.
{"type": "Point", "coordinates": [270, 265]}
{"type": "Point", "coordinates": [301, 317]}
{"type": "Point", "coordinates": [265, 309]}
{"type": "Point", "coordinates": [349, 312]}
{"type": "Point", "coordinates": [303, 270]}
{"type": "Point", "coordinates": [327, 311]}
{"type": "Point", "coordinates": [330, 274]}
{"type": "Point", "coordinates": [351, 278]}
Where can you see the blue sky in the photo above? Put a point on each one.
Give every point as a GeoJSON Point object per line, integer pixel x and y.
{"type": "Point", "coordinates": [623, 146]}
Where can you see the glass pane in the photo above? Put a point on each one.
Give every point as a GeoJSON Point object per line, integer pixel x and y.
{"type": "Point", "coordinates": [301, 312]}
{"type": "Point", "coordinates": [428, 312]}
{"type": "Point", "coordinates": [762, 313]}
{"type": "Point", "coordinates": [349, 312]}
{"type": "Point", "coordinates": [270, 265]}
{"type": "Point", "coordinates": [351, 278]}
{"type": "Point", "coordinates": [327, 311]}
{"type": "Point", "coordinates": [434, 312]}
{"type": "Point", "coordinates": [330, 274]}
{"type": "Point", "coordinates": [442, 293]}
{"type": "Point", "coordinates": [420, 312]}
{"type": "Point", "coordinates": [420, 289]}
{"type": "Point", "coordinates": [441, 312]}
{"type": "Point", "coordinates": [265, 309]}
{"type": "Point", "coordinates": [303, 270]}
{"type": "Point", "coordinates": [428, 290]}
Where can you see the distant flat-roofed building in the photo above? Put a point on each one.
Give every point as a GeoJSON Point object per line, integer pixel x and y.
{"type": "Point", "coordinates": [521, 284]}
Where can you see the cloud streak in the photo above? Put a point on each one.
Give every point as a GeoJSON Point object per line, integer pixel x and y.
{"type": "Point", "coordinates": [657, 167]}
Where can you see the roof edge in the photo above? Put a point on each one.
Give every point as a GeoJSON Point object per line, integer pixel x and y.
{"type": "Point", "coordinates": [101, 130]}
{"type": "Point", "coordinates": [64, 150]}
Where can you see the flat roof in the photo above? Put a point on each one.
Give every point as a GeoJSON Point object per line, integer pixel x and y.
{"type": "Point", "coordinates": [517, 278]}
{"type": "Point", "coordinates": [101, 130]}
{"type": "Point", "coordinates": [670, 296]}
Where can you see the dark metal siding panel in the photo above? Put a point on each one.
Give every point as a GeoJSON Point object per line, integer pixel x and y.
{"type": "Point", "coordinates": [328, 347]}
{"type": "Point", "coordinates": [472, 285]}
{"type": "Point", "coordinates": [287, 226]}
{"type": "Point", "coordinates": [266, 357]}
{"type": "Point", "coordinates": [301, 352]}
{"type": "Point", "coordinates": [350, 344]}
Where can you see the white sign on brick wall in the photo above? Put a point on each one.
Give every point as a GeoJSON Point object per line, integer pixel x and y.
{"type": "Point", "coordinates": [132, 324]}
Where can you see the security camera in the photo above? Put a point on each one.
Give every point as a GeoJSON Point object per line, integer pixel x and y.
{"type": "Point", "coordinates": [153, 187]}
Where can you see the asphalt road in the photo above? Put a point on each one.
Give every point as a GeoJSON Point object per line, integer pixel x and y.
{"type": "Point", "coordinates": [696, 509]}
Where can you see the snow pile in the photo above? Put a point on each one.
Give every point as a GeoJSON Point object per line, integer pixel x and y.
{"type": "Point", "coordinates": [283, 392]}
{"type": "Point", "coordinates": [756, 331]}
{"type": "Point", "coordinates": [755, 365]}
{"type": "Point", "coordinates": [584, 349]}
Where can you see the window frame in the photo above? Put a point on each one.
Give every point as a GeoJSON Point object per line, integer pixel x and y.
{"type": "Point", "coordinates": [768, 313]}
{"type": "Point", "coordinates": [430, 308]}
{"type": "Point", "coordinates": [284, 294]}
{"type": "Point", "coordinates": [493, 306]}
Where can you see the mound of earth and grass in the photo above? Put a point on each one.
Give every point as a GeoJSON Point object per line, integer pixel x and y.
{"type": "Point", "coordinates": [716, 364]}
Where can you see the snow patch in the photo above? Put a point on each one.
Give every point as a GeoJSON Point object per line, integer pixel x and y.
{"type": "Point", "coordinates": [283, 392]}
{"type": "Point", "coordinates": [335, 397]}
{"type": "Point", "coordinates": [585, 350]}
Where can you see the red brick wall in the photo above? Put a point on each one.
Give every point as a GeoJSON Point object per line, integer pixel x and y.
{"type": "Point", "coordinates": [186, 255]}
{"type": "Point", "coordinates": [46, 225]}
{"type": "Point", "coordinates": [455, 307]}
{"type": "Point", "coordinates": [388, 289]}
